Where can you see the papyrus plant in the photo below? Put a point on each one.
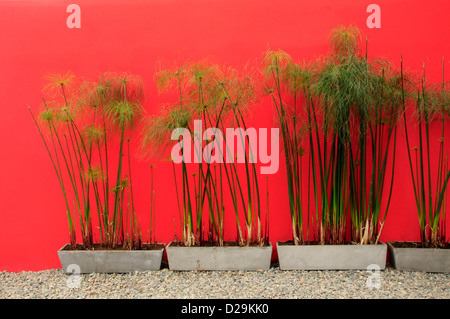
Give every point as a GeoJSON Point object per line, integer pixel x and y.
{"type": "Point", "coordinates": [216, 97]}
{"type": "Point", "coordinates": [360, 98]}
{"type": "Point", "coordinates": [429, 176]}
{"type": "Point", "coordinates": [344, 107]}
{"type": "Point", "coordinates": [372, 164]}
{"type": "Point", "coordinates": [79, 128]}
{"type": "Point", "coordinates": [192, 84]}
{"type": "Point", "coordinates": [288, 85]}
{"type": "Point", "coordinates": [238, 92]}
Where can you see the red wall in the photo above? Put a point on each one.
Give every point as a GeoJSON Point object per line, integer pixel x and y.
{"type": "Point", "coordinates": [34, 40]}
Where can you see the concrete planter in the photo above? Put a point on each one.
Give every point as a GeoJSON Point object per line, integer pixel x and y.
{"type": "Point", "coordinates": [109, 261]}
{"type": "Point", "coordinates": [420, 259]}
{"type": "Point", "coordinates": [331, 257]}
{"type": "Point", "coordinates": [218, 258]}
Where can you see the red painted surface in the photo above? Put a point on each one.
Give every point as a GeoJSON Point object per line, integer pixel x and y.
{"type": "Point", "coordinates": [34, 40]}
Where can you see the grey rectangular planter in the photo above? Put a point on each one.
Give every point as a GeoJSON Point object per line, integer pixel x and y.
{"type": "Point", "coordinates": [420, 259]}
{"type": "Point", "coordinates": [331, 257]}
{"type": "Point", "coordinates": [109, 261]}
{"type": "Point", "coordinates": [218, 258]}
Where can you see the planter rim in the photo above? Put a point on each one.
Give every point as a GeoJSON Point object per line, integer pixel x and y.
{"type": "Point", "coordinates": [389, 243]}
{"type": "Point", "coordinates": [109, 250]}
{"type": "Point", "coordinates": [328, 245]}
{"type": "Point", "coordinates": [209, 247]}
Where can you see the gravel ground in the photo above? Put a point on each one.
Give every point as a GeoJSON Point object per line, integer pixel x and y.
{"type": "Point", "coordinates": [274, 284]}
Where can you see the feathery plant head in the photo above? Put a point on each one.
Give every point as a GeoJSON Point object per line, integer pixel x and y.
{"type": "Point", "coordinates": [60, 98]}
{"type": "Point", "coordinates": [166, 79]}
{"type": "Point", "coordinates": [202, 71]}
{"type": "Point", "coordinates": [64, 115]}
{"type": "Point", "coordinates": [120, 186]}
{"type": "Point", "coordinates": [388, 98]}
{"type": "Point", "coordinates": [343, 86]}
{"type": "Point", "coordinates": [58, 92]}
{"type": "Point", "coordinates": [94, 173]}
{"type": "Point", "coordinates": [425, 94]}
{"type": "Point", "coordinates": [93, 135]}
{"type": "Point", "coordinates": [57, 81]}
{"type": "Point", "coordinates": [345, 42]}
{"type": "Point", "coordinates": [55, 113]}
{"type": "Point", "coordinates": [124, 183]}
{"type": "Point", "coordinates": [194, 83]}
{"type": "Point", "coordinates": [123, 113]}
{"type": "Point", "coordinates": [90, 101]}
{"type": "Point", "coordinates": [347, 81]}
{"type": "Point", "coordinates": [438, 101]}
{"type": "Point", "coordinates": [186, 77]}
{"type": "Point", "coordinates": [122, 87]}
{"type": "Point", "coordinates": [238, 90]}
{"type": "Point", "coordinates": [47, 118]}
{"type": "Point", "coordinates": [201, 89]}
{"type": "Point", "coordinates": [123, 95]}
{"type": "Point", "coordinates": [158, 128]}
{"type": "Point", "coordinates": [298, 76]}
{"type": "Point", "coordinates": [275, 61]}
{"type": "Point", "coordinates": [93, 94]}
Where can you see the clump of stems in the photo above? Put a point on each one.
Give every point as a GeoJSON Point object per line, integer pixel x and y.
{"type": "Point", "coordinates": [431, 105]}
{"type": "Point", "coordinates": [288, 84]}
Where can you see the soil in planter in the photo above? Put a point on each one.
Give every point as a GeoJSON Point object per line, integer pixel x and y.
{"type": "Point", "coordinates": [215, 244]}
{"type": "Point", "coordinates": [144, 246]}
{"type": "Point", "coordinates": [314, 243]}
{"type": "Point", "coordinates": [416, 244]}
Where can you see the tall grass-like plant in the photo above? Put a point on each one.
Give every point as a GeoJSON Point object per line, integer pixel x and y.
{"type": "Point", "coordinates": [429, 181]}
{"type": "Point", "coordinates": [217, 97]}
{"type": "Point", "coordinates": [191, 84]}
{"type": "Point", "coordinates": [123, 109]}
{"type": "Point", "coordinates": [361, 99]}
{"type": "Point", "coordinates": [48, 118]}
{"type": "Point", "coordinates": [288, 84]}
{"type": "Point", "coordinates": [79, 127]}
{"type": "Point", "coordinates": [344, 87]}
{"type": "Point", "coordinates": [345, 108]}
{"type": "Point", "coordinates": [239, 92]}
{"type": "Point", "coordinates": [377, 145]}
